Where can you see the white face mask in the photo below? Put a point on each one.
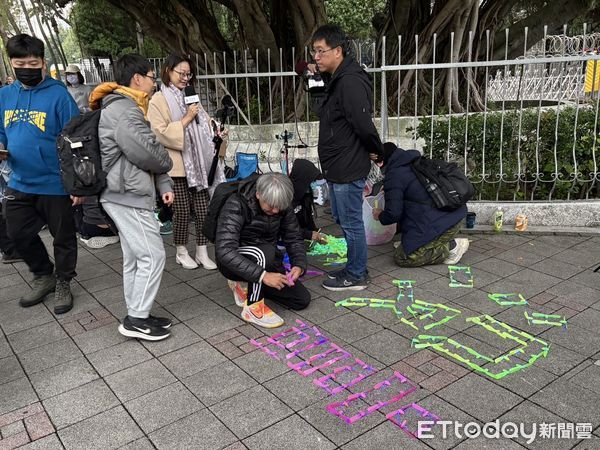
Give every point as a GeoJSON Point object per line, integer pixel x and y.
{"type": "Point", "coordinates": [73, 79]}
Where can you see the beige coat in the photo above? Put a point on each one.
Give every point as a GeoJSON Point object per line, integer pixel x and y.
{"type": "Point", "coordinates": [169, 133]}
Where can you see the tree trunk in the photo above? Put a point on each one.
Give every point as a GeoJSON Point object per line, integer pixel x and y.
{"type": "Point", "coordinates": [26, 14]}
{"type": "Point", "coordinates": [553, 14]}
{"type": "Point", "coordinates": [181, 26]}
{"type": "Point", "coordinates": [410, 17]}
{"type": "Point", "coordinates": [140, 37]}
{"type": "Point", "coordinates": [256, 31]}
{"type": "Point", "coordinates": [306, 16]}
{"type": "Point", "coordinates": [3, 68]}
{"type": "Point", "coordinates": [52, 32]}
{"type": "Point", "coordinates": [54, 26]}
{"type": "Point", "coordinates": [10, 17]}
{"type": "Point", "coordinates": [47, 41]}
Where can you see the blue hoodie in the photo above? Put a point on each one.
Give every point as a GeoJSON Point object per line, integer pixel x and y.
{"type": "Point", "coordinates": [31, 120]}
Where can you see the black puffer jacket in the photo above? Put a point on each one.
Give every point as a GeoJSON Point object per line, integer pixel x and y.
{"type": "Point", "coordinates": [242, 222]}
{"type": "Point", "coordinates": [347, 133]}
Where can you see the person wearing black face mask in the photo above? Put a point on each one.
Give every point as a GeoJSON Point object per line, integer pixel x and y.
{"type": "Point", "coordinates": [34, 109]}
{"type": "Point", "coordinates": [29, 76]}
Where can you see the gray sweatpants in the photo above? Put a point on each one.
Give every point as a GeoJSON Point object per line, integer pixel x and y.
{"type": "Point", "coordinates": [143, 256]}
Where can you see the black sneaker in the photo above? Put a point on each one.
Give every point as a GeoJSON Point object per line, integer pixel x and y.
{"type": "Point", "coordinates": [342, 273]}
{"type": "Point", "coordinates": [160, 322]}
{"type": "Point", "coordinates": [336, 273]}
{"type": "Point", "coordinates": [345, 283]}
{"type": "Point", "coordinates": [142, 329]}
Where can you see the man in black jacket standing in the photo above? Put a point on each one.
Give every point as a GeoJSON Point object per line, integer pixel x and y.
{"type": "Point", "coordinates": [248, 228]}
{"type": "Point", "coordinates": [347, 136]}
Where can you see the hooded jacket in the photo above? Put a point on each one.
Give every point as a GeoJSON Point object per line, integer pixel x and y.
{"type": "Point", "coordinates": [31, 120]}
{"type": "Point", "coordinates": [81, 95]}
{"type": "Point", "coordinates": [408, 204]}
{"type": "Point", "coordinates": [302, 175]}
{"type": "Point", "coordinates": [242, 222]}
{"type": "Point", "coordinates": [135, 162]}
{"type": "Point", "coordinates": [346, 131]}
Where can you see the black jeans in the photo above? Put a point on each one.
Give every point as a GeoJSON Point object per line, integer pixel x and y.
{"type": "Point", "coordinates": [7, 246]}
{"type": "Point", "coordinates": [294, 297]}
{"type": "Point", "coordinates": [25, 216]}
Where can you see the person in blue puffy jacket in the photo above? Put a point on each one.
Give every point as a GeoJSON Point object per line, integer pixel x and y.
{"type": "Point", "coordinates": [428, 234]}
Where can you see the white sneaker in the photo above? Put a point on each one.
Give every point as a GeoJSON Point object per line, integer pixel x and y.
{"type": "Point", "coordinates": [182, 257]}
{"type": "Point", "coordinates": [99, 241]}
{"type": "Point", "coordinates": [203, 258]}
{"type": "Point", "coordinates": [261, 315]}
{"type": "Point", "coordinates": [462, 245]}
{"type": "Point", "coordinates": [240, 294]}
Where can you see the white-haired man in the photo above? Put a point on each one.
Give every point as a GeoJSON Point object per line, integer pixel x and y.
{"type": "Point", "coordinates": [249, 226]}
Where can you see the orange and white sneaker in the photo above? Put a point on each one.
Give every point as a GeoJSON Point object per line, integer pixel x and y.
{"type": "Point", "coordinates": [261, 315]}
{"type": "Point", "coordinates": [240, 294]}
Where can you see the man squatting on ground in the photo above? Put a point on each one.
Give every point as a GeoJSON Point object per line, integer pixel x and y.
{"type": "Point", "coordinates": [428, 234]}
{"type": "Point", "coordinates": [249, 226]}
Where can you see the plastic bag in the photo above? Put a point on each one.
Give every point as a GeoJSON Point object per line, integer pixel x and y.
{"type": "Point", "coordinates": [374, 177]}
{"type": "Point", "coordinates": [377, 234]}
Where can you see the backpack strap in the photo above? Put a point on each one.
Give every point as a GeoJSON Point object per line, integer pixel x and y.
{"type": "Point", "coordinates": [112, 100]}
{"type": "Point", "coordinates": [422, 181]}
{"type": "Point", "coordinates": [105, 104]}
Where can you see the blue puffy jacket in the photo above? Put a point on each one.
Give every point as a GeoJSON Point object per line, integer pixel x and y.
{"type": "Point", "coordinates": [408, 204]}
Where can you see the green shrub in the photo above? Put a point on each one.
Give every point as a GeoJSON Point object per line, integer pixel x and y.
{"type": "Point", "coordinates": [520, 182]}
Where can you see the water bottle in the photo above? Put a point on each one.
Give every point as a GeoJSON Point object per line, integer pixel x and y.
{"type": "Point", "coordinates": [435, 194]}
{"type": "Point", "coordinates": [498, 217]}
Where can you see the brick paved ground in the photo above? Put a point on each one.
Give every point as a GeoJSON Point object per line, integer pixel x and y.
{"type": "Point", "coordinates": [74, 382]}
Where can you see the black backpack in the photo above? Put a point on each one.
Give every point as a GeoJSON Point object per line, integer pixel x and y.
{"type": "Point", "coordinates": [445, 182]}
{"type": "Point", "coordinates": [78, 148]}
{"type": "Point", "coordinates": [222, 192]}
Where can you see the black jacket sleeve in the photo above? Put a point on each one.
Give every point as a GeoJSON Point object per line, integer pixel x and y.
{"type": "Point", "coordinates": [227, 241]}
{"type": "Point", "coordinates": [357, 110]}
{"type": "Point", "coordinates": [306, 233]}
{"type": "Point", "coordinates": [292, 239]}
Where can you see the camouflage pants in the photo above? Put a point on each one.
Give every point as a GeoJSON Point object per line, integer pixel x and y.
{"type": "Point", "coordinates": [432, 253]}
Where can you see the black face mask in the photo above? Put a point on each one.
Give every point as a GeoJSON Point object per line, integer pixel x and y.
{"type": "Point", "coordinates": [29, 77]}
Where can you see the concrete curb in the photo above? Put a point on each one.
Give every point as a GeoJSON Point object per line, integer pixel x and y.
{"type": "Point", "coordinates": [558, 215]}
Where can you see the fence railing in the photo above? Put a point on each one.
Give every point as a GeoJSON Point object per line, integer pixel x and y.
{"type": "Point", "coordinates": [524, 128]}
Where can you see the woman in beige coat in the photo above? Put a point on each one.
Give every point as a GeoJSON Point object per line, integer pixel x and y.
{"type": "Point", "coordinates": [191, 149]}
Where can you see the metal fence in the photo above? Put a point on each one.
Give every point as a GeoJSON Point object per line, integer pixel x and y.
{"type": "Point", "coordinates": [526, 127]}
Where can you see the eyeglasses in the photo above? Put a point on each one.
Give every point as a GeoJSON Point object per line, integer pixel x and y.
{"type": "Point", "coordinates": [153, 78]}
{"type": "Point", "coordinates": [184, 75]}
{"type": "Point", "coordinates": [319, 52]}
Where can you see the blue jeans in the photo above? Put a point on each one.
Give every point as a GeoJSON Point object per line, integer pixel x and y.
{"type": "Point", "coordinates": [346, 207]}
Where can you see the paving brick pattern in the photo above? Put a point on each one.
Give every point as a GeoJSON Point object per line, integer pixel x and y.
{"type": "Point", "coordinates": [73, 382]}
